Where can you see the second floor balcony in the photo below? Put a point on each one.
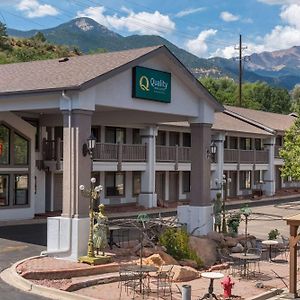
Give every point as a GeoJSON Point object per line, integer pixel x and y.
{"type": "Point", "coordinates": [246, 156]}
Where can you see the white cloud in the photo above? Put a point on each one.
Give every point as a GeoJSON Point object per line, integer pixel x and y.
{"type": "Point", "coordinates": [198, 46]}
{"type": "Point", "coordinates": [189, 11]}
{"type": "Point", "coordinates": [33, 9]}
{"type": "Point", "coordinates": [228, 17]}
{"type": "Point", "coordinates": [280, 37]}
{"type": "Point", "coordinates": [142, 22]}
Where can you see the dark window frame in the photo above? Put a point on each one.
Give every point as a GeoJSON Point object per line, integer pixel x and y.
{"type": "Point", "coordinates": [124, 184]}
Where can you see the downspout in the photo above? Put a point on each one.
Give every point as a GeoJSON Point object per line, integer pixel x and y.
{"type": "Point", "coordinates": [67, 250]}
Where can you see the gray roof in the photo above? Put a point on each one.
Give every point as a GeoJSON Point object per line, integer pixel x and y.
{"type": "Point", "coordinates": [278, 122]}
{"type": "Point", "coordinates": [72, 74]}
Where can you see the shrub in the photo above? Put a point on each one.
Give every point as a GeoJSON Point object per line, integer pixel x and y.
{"type": "Point", "coordinates": [176, 241]}
{"type": "Point", "coordinates": [273, 234]}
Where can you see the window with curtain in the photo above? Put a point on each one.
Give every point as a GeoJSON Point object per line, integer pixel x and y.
{"type": "Point", "coordinates": [21, 150]}
{"type": "Point", "coordinates": [136, 183]}
{"type": "Point", "coordinates": [114, 184]}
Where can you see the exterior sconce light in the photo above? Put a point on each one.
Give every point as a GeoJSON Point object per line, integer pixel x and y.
{"type": "Point", "coordinates": [88, 147]}
{"type": "Point", "coordinates": [212, 150]}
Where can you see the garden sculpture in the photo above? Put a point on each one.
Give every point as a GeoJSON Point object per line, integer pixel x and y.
{"type": "Point", "coordinates": [227, 284]}
{"type": "Point", "coordinates": [100, 231]}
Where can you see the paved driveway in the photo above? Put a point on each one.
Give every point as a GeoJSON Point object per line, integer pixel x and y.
{"type": "Point", "coordinates": [266, 218]}
{"type": "Point", "coordinates": [18, 242]}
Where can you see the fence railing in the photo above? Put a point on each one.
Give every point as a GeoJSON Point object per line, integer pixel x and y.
{"type": "Point", "coordinates": [174, 154]}
{"type": "Point", "coordinates": [246, 156]}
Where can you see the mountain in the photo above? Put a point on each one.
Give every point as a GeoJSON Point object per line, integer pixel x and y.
{"type": "Point", "coordinates": [274, 68]}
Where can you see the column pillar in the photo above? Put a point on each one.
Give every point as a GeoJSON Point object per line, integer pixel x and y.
{"type": "Point", "coordinates": [269, 178]}
{"type": "Point", "coordinates": [293, 261]}
{"type": "Point", "coordinates": [67, 235]}
{"type": "Point", "coordinates": [148, 197]}
{"type": "Point", "coordinates": [198, 216]}
{"type": "Point", "coordinates": [217, 175]}
{"type": "Point", "coordinates": [76, 167]}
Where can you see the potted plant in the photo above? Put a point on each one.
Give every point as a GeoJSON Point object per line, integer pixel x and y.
{"type": "Point", "coordinates": [273, 234]}
{"type": "Point", "coordinates": [233, 223]}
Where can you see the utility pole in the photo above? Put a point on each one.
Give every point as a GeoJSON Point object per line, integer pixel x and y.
{"type": "Point", "coordinates": [240, 58]}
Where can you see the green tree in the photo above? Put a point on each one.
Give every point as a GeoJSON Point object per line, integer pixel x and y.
{"type": "Point", "coordinates": [290, 152]}
{"type": "Point", "coordinates": [4, 41]}
{"type": "Point", "coordinates": [295, 105]}
{"type": "Point", "coordinates": [39, 36]}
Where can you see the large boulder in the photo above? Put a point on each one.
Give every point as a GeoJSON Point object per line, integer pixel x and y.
{"type": "Point", "coordinates": [230, 241]}
{"type": "Point", "coordinates": [216, 236]}
{"type": "Point", "coordinates": [205, 248]}
{"type": "Point", "coordinates": [159, 259]}
{"type": "Point", "coordinates": [183, 273]}
{"type": "Point", "coordinates": [237, 249]}
{"type": "Point", "coordinates": [188, 263]}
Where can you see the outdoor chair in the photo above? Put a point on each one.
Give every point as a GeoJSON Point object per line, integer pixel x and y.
{"type": "Point", "coordinates": [285, 247]}
{"type": "Point", "coordinates": [254, 264]}
{"type": "Point", "coordinates": [164, 279]}
{"type": "Point", "coordinates": [127, 280]}
{"type": "Point", "coordinates": [235, 265]}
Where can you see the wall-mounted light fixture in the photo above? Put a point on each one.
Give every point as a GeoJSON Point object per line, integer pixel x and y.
{"type": "Point", "coordinates": [212, 150]}
{"type": "Point", "coordinates": [88, 147]}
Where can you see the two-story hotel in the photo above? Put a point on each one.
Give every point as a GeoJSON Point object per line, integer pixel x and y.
{"type": "Point", "coordinates": [154, 125]}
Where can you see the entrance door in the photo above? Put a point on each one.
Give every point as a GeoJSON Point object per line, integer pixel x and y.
{"type": "Point", "coordinates": [58, 192]}
{"type": "Point", "coordinates": [160, 187]}
{"type": "Point", "coordinates": [173, 186]}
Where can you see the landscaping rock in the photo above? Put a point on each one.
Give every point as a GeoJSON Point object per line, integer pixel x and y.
{"type": "Point", "coordinates": [205, 248]}
{"type": "Point", "coordinates": [216, 236]}
{"type": "Point", "coordinates": [230, 241]}
{"type": "Point", "coordinates": [159, 259]}
{"type": "Point", "coordinates": [184, 273]}
{"type": "Point", "coordinates": [222, 266]}
{"type": "Point", "coordinates": [148, 251]}
{"type": "Point", "coordinates": [188, 263]}
{"type": "Point", "coordinates": [237, 249]}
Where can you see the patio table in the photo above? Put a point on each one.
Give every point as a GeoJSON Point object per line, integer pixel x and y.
{"type": "Point", "coordinates": [245, 258]}
{"type": "Point", "coordinates": [270, 243]}
{"type": "Point", "coordinates": [212, 276]}
{"type": "Point", "coordinates": [141, 271]}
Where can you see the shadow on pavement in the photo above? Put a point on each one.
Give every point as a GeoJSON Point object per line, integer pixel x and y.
{"type": "Point", "coordinates": [31, 233]}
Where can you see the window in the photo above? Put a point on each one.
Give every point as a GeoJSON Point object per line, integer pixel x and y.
{"type": "Point", "coordinates": [186, 182]}
{"type": "Point", "coordinates": [4, 187]}
{"type": "Point", "coordinates": [21, 189]}
{"type": "Point", "coordinates": [226, 142]}
{"type": "Point", "coordinates": [20, 150]}
{"type": "Point", "coordinates": [96, 131]}
{"type": "Point", "coordinates": [233, 142]}
{"type": "Point", "coordinates": [114, 184]}
{"type": "Point", "coordinates": [161, 138]}
{"type": "Point", "coordinates": [186, 139]}
{"type": "Point", "coordinates": [173, 138]}
{"type": "Point", "coordinates": [136, 183]}
{"type": "Point", "coordinates": [245, 143]}
{"type": "Point", "coordinates": [115, 135]}
{"type": "Point", "coordinates": [258, 144]}
{"type": "Point", "coordinates": [4, 145]}
{"type": "Point", "coordinates": [278, 141]}
{"type": "Point", "coordinates": [136, 138]}
{"type": "Point", "coordinates": [245, 179]}
{"type": "Point", "coordinates": [257, 177]}
{"type": "Point", "coordinates": [58, 133]}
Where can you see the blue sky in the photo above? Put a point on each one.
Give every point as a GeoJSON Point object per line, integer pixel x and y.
{"type": "Point", "coordinates": [203, 27]}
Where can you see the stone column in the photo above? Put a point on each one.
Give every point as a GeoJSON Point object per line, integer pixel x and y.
{"type": "Point", "coordinates": [67, 235]}
{"type": "Point", "coordinates": [148, 197]}
{"type": "Point", "coordinates": [217, 179]}
{"type": "Point", "coordinates": [76, 167]}
{"type": "Point", "coordinates": [269, 178]}
{"type": "Point", "coordinates": [198, 216]}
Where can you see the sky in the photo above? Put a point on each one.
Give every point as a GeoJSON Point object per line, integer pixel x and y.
{"type": "Point", "coordinates": [205, 28]}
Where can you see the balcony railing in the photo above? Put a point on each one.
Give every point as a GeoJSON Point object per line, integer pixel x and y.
{"type": "Point", "coordinates": [102, 152]}
{"type": "Point", "coordinates": [246, 156]}
{"type": "Point", "coordinates": [174, 154]}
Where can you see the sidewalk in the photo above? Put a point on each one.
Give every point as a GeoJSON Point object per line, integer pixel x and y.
{"type": "Point", "coordinates": [171, 211]}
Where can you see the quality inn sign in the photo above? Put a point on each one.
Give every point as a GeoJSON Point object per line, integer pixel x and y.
{"type": "Point", "coordinates": [151, 84]}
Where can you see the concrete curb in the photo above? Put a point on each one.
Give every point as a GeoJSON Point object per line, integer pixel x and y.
{"type": "Point", "coordinates": [11, 277]}
{"type": "Point", "coordinates": [267, 295]}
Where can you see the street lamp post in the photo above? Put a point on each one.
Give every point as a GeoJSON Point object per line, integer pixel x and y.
{"type": "Point", "coordinates": [225, 188]}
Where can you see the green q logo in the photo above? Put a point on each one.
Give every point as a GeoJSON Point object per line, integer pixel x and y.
{"type": "Point", "coordinates": [144, 83]}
